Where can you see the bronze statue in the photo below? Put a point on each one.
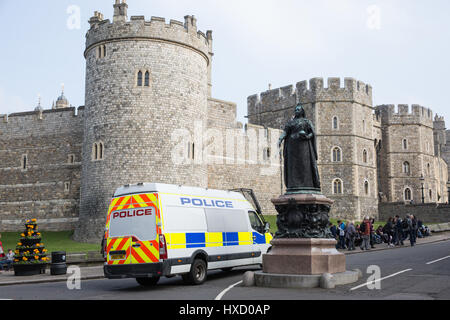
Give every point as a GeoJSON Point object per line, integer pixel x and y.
{"type": "Point", "coordinates": [301, 174]}
{"type": "Point", "coordinates": [303, 212]}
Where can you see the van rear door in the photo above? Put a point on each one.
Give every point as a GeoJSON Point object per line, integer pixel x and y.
{"type": "Point", "coordinates": [134, 228]}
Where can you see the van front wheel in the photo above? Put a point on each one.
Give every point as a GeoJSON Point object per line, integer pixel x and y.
{"type": "Point", "coordinates": [197, 275]}
{"type": "Point", "coordinates": [148, 282]}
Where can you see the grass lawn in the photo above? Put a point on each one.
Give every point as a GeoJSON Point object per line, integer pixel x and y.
{"type": "Point", "coordinates": [53, 241]}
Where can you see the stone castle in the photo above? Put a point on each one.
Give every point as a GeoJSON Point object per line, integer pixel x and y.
{"type": "Point", "coordinates": [146, 80]}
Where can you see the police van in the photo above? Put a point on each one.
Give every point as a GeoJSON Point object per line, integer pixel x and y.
{"type": "Point", "coordinates": [156, 230]}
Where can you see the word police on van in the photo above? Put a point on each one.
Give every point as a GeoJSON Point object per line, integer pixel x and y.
{"type": "Point", "coordinates": [156, 230]}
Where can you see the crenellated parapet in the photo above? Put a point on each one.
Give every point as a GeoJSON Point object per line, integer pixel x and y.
{"type": "Point", "coordinates": [137, 28]}
{"type": "Point", "coordinates": [404, 115]}
{"type": "Point", "coordinates": [42, 122]}
{"type": "Point", "coordinates": [313, 91]}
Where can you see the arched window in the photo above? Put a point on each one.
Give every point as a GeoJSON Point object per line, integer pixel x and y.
{"type": "Point", "coordinates": [406, 168]}
{"type": "Point", "coordinates": [191, 151]}
{"type": "Point", "coordinates": [405, 144]}
{"type": "Point", "coordinates": [266, 154]}
{"type": "Point", "coordinates": [147, 79]}
{"type": "Point", "coordinates": [336, 154]}
{"type": "Point", "coordinates": [98, 151]}
{"type": "Point", "coordinates": [365, 156]}
{"type": "Point", "coordinates": [335, 124]}
{"type": "Point", "coordinates": [95, 152]}
{"type": "Point", "coordinates": [366, 187]}
{"type": "Point", "coordinates": [139, 79]}
{"type": "Point", "coordinates": [101, 51]}
{"type": "Point", "coordinates": [408, 194]}
{"type": "Point", "coordinates": [338, 186]}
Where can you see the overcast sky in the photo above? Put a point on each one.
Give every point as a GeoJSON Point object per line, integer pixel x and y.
{"type": "Point", "coordinates": [400, 47]}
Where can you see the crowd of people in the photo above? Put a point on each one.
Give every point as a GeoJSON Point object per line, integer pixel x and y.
{"type": "Point", "coordinates": [394, 233]}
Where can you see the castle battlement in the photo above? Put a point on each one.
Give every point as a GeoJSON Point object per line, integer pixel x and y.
{"type": "Point", "coordinates": [47, 121]}
{"type": "Point", "coordinates": [311, 92]}
{"type": "Point", "coordinates": [438, 118]}
{"type": "Point", "coordinates": [137, 28]}
{"type": "Point", "coordinates": [416, 114]}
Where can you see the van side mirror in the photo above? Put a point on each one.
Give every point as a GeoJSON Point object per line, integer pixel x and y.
{"type": "Point", "coordinates": [267, 227]}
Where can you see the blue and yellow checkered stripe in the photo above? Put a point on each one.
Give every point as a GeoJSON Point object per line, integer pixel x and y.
{"type": "Point", "coordinates": [219, 239]}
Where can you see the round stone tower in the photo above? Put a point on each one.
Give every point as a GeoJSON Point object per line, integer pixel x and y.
{"type": "Point", "coordinates": [144, 80]}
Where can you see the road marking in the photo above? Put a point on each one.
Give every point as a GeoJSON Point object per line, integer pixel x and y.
{"type": "Point", "coordinates": [378, 280]}
{"type": "Point", "coordinates": [220, 296]}
{"type": "Point", "coordinates": [431, 262]}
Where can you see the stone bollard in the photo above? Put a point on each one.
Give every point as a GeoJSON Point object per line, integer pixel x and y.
{"type": "Point", "coordinates": [327, 281]}
{"type": "Point", "coordinates": [249, 279]}
{"type": "Point", "coordinates": [360, 274]}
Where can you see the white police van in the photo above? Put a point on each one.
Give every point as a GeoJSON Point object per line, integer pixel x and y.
{"type": "Point", "coordinates": [156, 230]}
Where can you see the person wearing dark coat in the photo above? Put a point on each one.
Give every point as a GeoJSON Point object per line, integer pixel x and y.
{"type": "Point", "coordinates": [398, 229]}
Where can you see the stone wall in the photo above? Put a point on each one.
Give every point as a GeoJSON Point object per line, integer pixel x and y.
{"type": "Point", "coordinates": [428, 213]}
{"type": "Point", "coordinates": [47, 187]}
{"type": "Point", "coordinates": [249, 166]}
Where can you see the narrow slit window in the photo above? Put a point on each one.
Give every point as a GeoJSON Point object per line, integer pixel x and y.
{"type": "Point", "coordinates": [147, 79]}
{"type": "Point", "coordinates": [335, 123]}
{"type": "Point", "coordinates": [95, 153]}
{"type": "Point", "coordinates": [100, 156]}
{"type": "Point", "coordinates": [139, 79]}
{"type": "Point", "coordinates": [24, 162]}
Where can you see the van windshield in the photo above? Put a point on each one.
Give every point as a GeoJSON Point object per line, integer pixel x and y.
{"type": "Point", "coordinates": [138, 222]}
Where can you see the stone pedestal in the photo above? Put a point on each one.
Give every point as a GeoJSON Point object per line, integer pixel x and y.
{"type": "Point", "coordinates": [304, 252]}
{"type": "Point", "coordinates": [304, 257]}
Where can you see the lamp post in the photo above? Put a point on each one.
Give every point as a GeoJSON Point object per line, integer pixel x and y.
{"type": "Point", "coordinates": [422, 179]}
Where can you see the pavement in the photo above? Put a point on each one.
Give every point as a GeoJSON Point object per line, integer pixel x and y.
{"type": "Point", "coordinates": [7, 278]}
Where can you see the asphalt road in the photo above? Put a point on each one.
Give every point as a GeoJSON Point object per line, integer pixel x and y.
{"type": "Point", "coordinates": [411, 273]}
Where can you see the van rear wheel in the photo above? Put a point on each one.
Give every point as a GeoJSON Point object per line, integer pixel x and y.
{"type": "Point", "coordinates": [197, 275]}
{"type": "Point", "coordinates": [148, 282]}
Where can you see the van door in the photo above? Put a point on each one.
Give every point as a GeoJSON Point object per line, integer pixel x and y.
{"type": "Point", "coordinates": [259, 236]}
{"type": "Point", "coordinates": [134, 231]}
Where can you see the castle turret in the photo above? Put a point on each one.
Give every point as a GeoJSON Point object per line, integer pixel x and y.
{"type": "Point", "coordinates": [410, 158]}
{"type": "Point", "coordinates": [61, 102]}
{"type": "Point", "coordinates": [120, 11]}
{"type": "Point", "coordinates": [144, 80]}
